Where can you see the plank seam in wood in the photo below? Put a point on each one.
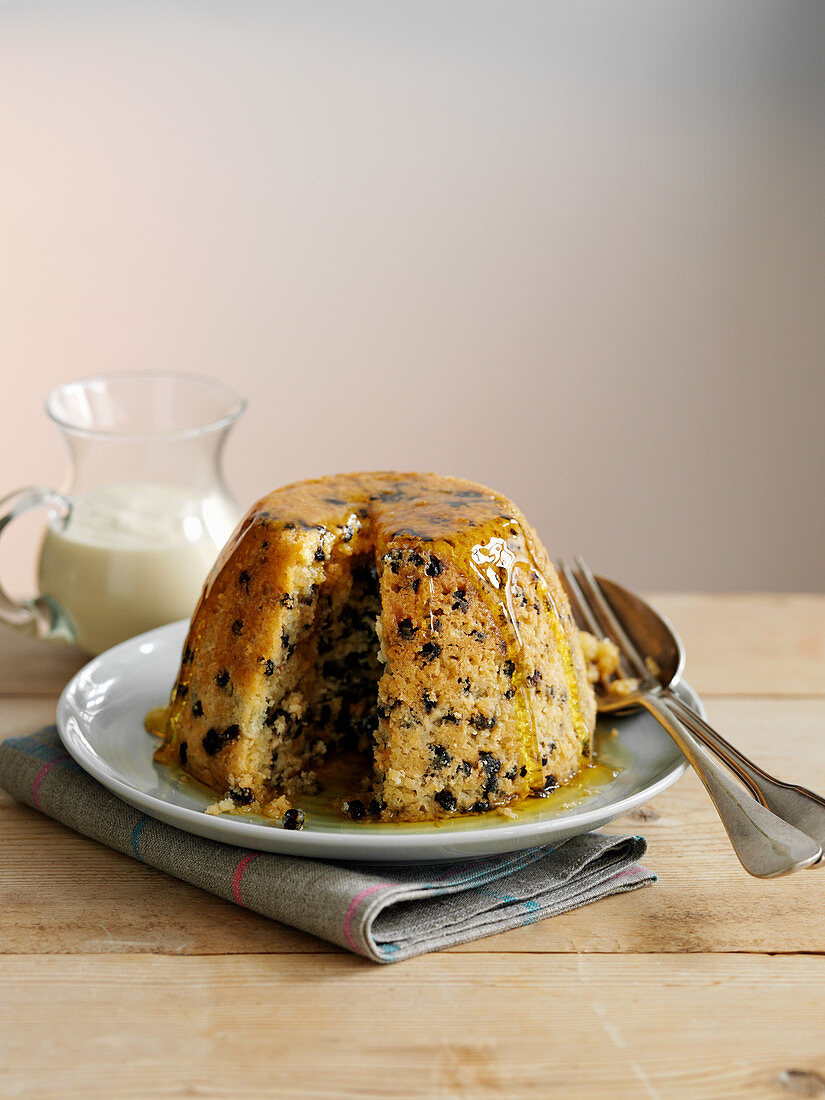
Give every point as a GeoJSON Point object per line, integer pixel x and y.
{"type": "Point", "coordinates": [463, 950]}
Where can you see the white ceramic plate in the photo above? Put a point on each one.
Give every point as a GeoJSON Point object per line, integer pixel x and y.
{"type": "Point", "coordinates": [100, 718]}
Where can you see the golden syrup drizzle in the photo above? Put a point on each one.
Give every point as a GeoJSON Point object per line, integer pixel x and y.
{"type": "Point", "coordinates": [156, 720]}
{"type": "Point", "coordinates": [563, 647]}
{"type": "Point", "coordinates": [486, 591]}
{"type": "Point", "coordinates": [498, 561]}
{"type": "Point", "coordinates": [176, 705]}
{"type": "Point", "coordinates": [156, 723]}
{"type": "Point", "coordinates": [495, 563]}
{"type": "Point", "coordinates": [430, 607]}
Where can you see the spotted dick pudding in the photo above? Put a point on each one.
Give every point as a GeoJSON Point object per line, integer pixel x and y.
{"type": "Point", "coordinates": [412, 619]}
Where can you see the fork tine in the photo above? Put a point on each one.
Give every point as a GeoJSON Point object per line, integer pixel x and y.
{"type": "Point", "coordinates": [581, 611]}
{"type": "Point", "coordinates": [600, 606]}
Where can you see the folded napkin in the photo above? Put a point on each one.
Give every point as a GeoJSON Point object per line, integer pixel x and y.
{"type": "Point", "coordinates": [385, 912]}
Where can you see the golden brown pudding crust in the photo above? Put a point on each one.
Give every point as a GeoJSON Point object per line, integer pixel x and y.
{"type": "Point", "coordinates": [413, 617]}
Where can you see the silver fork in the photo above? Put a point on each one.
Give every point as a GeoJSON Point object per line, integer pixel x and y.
{"type": "Point", "coordinates": [767, 845]}
{"type": "Point", "coordinates": [797, 805]}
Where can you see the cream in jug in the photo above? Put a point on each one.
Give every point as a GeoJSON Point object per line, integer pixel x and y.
{"type": "Point", "coordinates": [131, 556]}
{"type": "Point", "coordinates": [129, 547]}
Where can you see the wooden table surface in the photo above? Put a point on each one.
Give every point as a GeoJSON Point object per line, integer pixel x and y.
{"type": "Point", "coordinates": [118, 981]}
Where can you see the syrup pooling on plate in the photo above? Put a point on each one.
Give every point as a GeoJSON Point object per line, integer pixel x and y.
{"type": "Point", "coordinates": [439, 534]}
{"type": "Point", "coordinates": [156, 721]}
{"type": "Point", "coordinates": [338, 776]}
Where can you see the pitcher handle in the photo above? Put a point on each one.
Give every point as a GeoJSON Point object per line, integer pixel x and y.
{"type": "Point", "coordinates": [41, 617]}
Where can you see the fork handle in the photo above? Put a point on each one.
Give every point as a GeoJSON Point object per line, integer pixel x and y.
{"type": "Point", "coordinates": [798, 806]}
{"type": "Point", "coordinates": [766, 845]}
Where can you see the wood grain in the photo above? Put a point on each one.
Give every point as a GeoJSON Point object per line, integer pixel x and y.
{"type": "Point", "coordinates": [32, 667]}
{"type": "Point", "coordinates": [531, 1026]}
{"type": "Point", "coordinates": [751, 644]}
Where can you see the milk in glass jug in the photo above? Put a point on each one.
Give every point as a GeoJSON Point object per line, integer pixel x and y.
{"type": "Point", "coordinates": [129, 544]}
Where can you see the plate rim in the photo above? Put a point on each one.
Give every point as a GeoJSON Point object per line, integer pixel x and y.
{"type": "Point", "coordinates": [242, 833]}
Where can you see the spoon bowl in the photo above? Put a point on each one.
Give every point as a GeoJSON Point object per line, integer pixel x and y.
{"type": "Point", "coordinates": [649, 630]}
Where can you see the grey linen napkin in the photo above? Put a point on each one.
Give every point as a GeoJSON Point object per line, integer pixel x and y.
{"type": "Point", "coordinates": [384, 912]}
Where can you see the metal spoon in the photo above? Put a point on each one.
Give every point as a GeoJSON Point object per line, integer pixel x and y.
{"type": "Point", "coordinates": [766, 844]}
{"type": "Point", "coordinates": [653, 635]}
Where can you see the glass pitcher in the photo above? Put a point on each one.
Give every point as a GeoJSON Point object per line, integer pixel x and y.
{"type": "Point", "coordinates": [129, 544]}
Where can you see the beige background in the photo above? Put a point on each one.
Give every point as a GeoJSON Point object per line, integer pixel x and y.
{"type": "Point", "coordinates": [574, 251]}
